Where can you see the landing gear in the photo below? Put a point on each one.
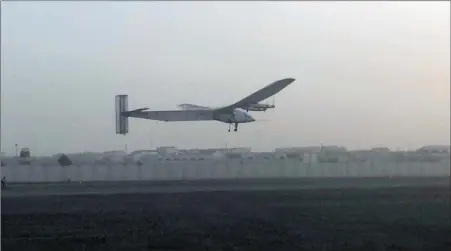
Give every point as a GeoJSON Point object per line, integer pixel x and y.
{"type": "Point", "coordinates": [236, 127]}
{"type": "Point", "coordinates": [4, 182]}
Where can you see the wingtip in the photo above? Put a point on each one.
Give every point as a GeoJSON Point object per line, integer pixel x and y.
{"type": "Point", "coordinates": [287, 80]}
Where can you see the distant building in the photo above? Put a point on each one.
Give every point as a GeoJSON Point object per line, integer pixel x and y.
{"type": "Point", "coordinates": [143, 151]}
{"type": "Point", "coordinates": [25, 156]}
{"type": "Point", "coordinates": [302, 149]}
{"type": "Point", "coordinates": [434, 149]}
{"type": "Point", "coordinates": [167, 150]}
{"type": "Point", "coordinates": [216, 151]}
{"type": "Point", "coordinates": [109, 153]}
{"type": "Point", "coordinates": [25, 153]}
{"type": "Point", "coordinates": [311, 149]}
{"type": "Point", "coordinates": [334, 149]}
{"type": "Point", "coordinates": [380, 149]}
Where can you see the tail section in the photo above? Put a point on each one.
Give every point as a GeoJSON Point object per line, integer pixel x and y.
{"type": "Point", "coordinates": [121, 120]}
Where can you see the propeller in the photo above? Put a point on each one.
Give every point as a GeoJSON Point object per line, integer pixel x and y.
{"type": "Point", "coordinates": [273, 103]}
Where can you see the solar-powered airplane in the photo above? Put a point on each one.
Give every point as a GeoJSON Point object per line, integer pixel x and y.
{"type": "Point", "coordinates": [231, 114]}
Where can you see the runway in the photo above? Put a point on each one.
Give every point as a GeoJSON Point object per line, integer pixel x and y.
{"type": "Point", "coordinates": [132, 187]}
{"type": "Point", "coordinates": [323, 214]}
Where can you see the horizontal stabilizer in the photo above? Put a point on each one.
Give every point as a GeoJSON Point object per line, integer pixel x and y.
{"type": "Point", "coordinates": [139, 110]}
{"type": "Point", "coordinates": [128, 113]}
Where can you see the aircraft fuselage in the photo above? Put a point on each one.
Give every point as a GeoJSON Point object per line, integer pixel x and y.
{"type": "Point", "coordinates": [239, 116]}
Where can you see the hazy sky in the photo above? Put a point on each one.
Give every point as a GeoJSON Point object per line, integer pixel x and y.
{"type": "Point", "coordinates": [367, 73]}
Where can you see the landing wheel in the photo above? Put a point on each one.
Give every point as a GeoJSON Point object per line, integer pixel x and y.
{"type": "Point", "coordinates": [229, 126]}
{"type": "Point", "coordinates": [236, 127]}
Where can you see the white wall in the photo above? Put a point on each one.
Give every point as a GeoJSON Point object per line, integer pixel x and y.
{"type": "Point", "coordinates": [221, 169]}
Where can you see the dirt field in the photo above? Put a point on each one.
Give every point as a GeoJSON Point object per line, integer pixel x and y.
{"type": "Point", "coordinates": [321, 219]}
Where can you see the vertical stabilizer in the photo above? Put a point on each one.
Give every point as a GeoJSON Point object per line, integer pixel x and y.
{"type": "Point", "coordinates": [121, 121]}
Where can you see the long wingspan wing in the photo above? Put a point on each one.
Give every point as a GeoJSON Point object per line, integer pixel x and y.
{"type": "Point", "coordinates": [174, 115]}
{"type": "Point", "coordinates": [259, 95]}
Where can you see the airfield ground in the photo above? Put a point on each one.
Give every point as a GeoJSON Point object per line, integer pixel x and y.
{"type": "Point", "coordinates": [355, 214]}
